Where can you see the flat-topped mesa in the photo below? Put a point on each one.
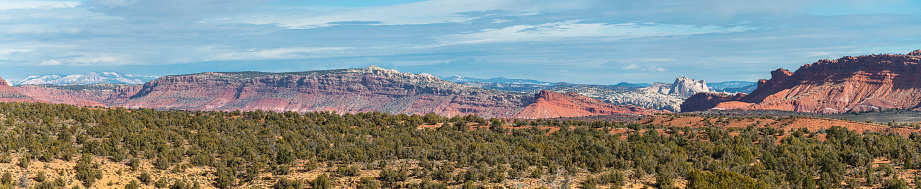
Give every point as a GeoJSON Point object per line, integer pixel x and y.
{"type": "Point", "coordinates": [848, 84]}
{"type": "Point", "coordinates": [343, 91]}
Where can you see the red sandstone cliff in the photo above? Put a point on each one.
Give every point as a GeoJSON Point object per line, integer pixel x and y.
{"type": "Point", "coordinates": [9, 94]}
{"type": "Point", "coordinates": [347, 90]}
{"type": "Point", "coordinates": [849, 84]}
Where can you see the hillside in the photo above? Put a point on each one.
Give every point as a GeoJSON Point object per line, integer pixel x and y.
{"type": "Point", "coordinates": [64, 146]}
{"type": "Point", "coordinates": [9, 94]}
{"type": "Point", "coordinates": [343, 91]}
{"type": "Point", "coordinates": [848, 84]}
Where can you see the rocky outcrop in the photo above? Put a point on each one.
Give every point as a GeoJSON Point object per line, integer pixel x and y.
{"type": "Point", "coordinates": [648, 98]}
{"type": "Point", "coordinates": [849, 84]}
{"type": "Point", "coordinates": [659, 96]}
{"type": "Point", "coordinates": [9, 94]}
{"type": "Point", "coordinates": [706, 101]}
{"type": "Point", "coordinates": [346, 90]}
{"type": "Point", "coordinates": [81, 95]}
{"type": "Point", "coordinates": [657, 87]}
{"type": "Point", "coordinates": [552, 105]}
{"type": "Point", "coordinates": [915, 53]}
{"type": "Point", "coordinates": [684, 86]}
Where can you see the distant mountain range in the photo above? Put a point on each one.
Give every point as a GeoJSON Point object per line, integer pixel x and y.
{"type": "Point", "coordinates": [661, 96]}
{"type": "Point", "coordinates": [85, 79]}
{"type": "Point", "coordinates": [848, 84]}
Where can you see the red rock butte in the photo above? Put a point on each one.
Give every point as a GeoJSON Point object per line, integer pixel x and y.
{"type": "Point", "coordinates": [848, 84]}
{"type": "Point", "coordinates": [549, 104]}
{"type": "Point", "coordinates": [342, 91]}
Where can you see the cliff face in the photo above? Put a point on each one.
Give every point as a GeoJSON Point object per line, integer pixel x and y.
{"type": "Point", "coordinates": [687, 87]}
{"type": "Point", "coordinates": [81, 95]}
{"type": "Point", "coordinates": [348, 90]}
{"type": "Point", "coordinates": [849, 84]}
{"type": "Point", "coordinates": [352, 90]}
{"type": "Point", "coordinates": [9, 94]}
{"type": "Point", "coordinates": [706, 101]}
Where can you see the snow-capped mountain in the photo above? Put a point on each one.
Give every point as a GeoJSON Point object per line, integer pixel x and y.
{"type": "Point", "coordinates": [86, 79]}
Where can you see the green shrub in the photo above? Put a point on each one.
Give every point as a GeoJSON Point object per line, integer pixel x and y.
{"type": "Point", "coordinates": [368, 183]}
{"type": "Point", "coordinates": [87, 171]}
{"type": "Point", "coordinates": [321, 182]}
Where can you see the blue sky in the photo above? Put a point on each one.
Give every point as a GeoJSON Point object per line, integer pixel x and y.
{"type": "Point", "coordinates": [578, 41]}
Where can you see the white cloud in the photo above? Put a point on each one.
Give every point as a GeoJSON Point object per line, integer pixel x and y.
{"type": "Point", "coordinates": [426, 12]}
{"type": "Point", "coordinates": [4, 53]}
{"type": "Point", "coordinates": [51, 63]}
{"type": "Point", "coordinates": [499, 21]}
{"type": "Point", "coordinates": [634, 67]}
{"type": "Point", "coordinates": [100, 60]}
{"type": "Point", "coordinates": [575, 28]}
{"type": "Point", "coordinates": [277, 54]}
{"type": "Point", "coordinates": [26, 4]}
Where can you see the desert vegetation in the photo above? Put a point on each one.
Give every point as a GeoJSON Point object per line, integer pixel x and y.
{"type": "Point", "coordinates": [64, 146]}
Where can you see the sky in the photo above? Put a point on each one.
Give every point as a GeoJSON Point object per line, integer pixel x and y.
{"type": "Point", "coordinates": [576, 41]}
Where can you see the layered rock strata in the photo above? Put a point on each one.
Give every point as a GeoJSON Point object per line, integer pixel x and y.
{"type": "Point", "coordinates": [342, 91]}
{"type": "Point", "coordinates": [848, 84]}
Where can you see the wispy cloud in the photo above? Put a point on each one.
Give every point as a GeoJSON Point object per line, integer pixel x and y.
{"type": "Point", "coordinates": [653, 40]}
{"type": "Point", "coordinates": [426, 12]}
{"type": "Point", "coordinates": [278, 54]}
{"type": "Point", "coordinates": [579, 29]}
{"type": "Point", "coordinates": [634, 67]}
{"type": "Point", "coordinates": [27, 4]}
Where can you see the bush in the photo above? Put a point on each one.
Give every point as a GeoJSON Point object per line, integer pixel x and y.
{"type": "Point", "coordinates": [180, 185]}
{"type": "Point", "coordinates": [348, 171]}
{"type": "Point", "coordinates": [40, 176]}
{"type": "Point", "coordinates": [24, 162]}
{"type": "Point", "coordinates": [895, 183]}
{"type": "Point", "coordinates": [537, 173]}
{"type": "Point", "coordinates": [134, 163]}
{"type": "Point", "coordinates": [428, 184]}
{"type": "Point", "coordinates": [284, 169]}
{"type": "Point", "coordinates": [321, 182]}
{"type": "Point", "coordinates": [614, 177]}
{"type": "Point", "coordinates": [284, 183]}
{"type": "Point", "coordinates": [225, 178]}
{"type": "Point", "coordinates": [389, 176]}
{"type": "Point", "coordinates": [6, 158]}
{"type": "Point", "coordinates": [469, 185]}
{"type": "Point", "coordinates": [132, 185]}
{"type": "Point", "coordinates": [369, 183]}
{"type": "Point", "coordinates": [161, 183]}
{"type": "Point", "coordinates": [144, 178]}
{"type": "Point", "coordinates": [87, 171]}
{"type": "Point", "coordinates": [590, 183]}
{"type": "Point", "coordinates": [7, 178]}
{"type": "Point", "coordinates": [722, 179]}
{"type": "Point", "coordinates": [284, 156]}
